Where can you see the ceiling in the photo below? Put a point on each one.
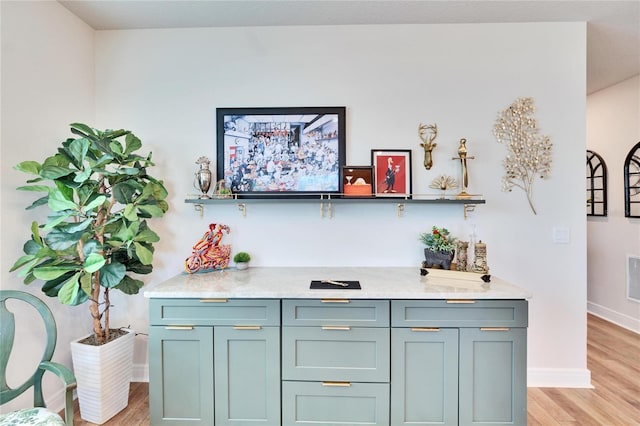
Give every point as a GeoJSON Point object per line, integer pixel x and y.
{"type": "Point", "coordinates": [613, 29]}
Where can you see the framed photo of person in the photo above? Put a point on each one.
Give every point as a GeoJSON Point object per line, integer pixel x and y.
{"type": "Point", "coordinates": [281, 152]}
{"type": "Point", "coordinates": [391, 172]}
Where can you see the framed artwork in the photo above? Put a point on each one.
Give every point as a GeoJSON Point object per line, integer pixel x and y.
{"type": "Point", "coordinates": [357, 181]}
{"type": "Point", "coordinates": [289, 152]}
{"type": "Point", "coordinates": [392, 172]}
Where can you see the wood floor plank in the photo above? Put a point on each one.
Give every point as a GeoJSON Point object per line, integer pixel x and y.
{"type": "Point", "coordinates": [613, 357]}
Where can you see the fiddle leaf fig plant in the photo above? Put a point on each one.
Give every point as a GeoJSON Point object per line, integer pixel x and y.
{"type": "Point", "coordinates": [96, 237]}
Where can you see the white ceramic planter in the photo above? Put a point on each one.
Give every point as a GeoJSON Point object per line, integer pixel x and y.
{"type": "Point", "coordinates": [103, 374]}
{"type": "Point", "coordinates": [242, 265]}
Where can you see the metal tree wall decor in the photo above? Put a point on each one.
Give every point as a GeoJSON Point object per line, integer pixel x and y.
{"type": "Point", "coordinates": [529, 153]}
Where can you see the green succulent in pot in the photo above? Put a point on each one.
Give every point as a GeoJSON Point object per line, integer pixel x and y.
{"type": "Point", "coordinates": [96, 237]}
{"type": "Point", "coordinates": [438, 240]}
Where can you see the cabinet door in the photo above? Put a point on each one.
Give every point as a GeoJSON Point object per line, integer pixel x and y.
{"type": "Point", "coordinates": [424, 376]}
{"type": "Point", "coordinates": [493, 382]}
{"type": "Point", "coordinates": [181, 375]}
{"type": "Point", "coordinates": [247, 375]}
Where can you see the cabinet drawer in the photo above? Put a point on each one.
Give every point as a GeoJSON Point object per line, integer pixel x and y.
{"type": "Point", "coordinates": [362, 313]}
{"type": "Point", "coordinates": [214, 312]}
{"type": "Point", "coordinates": [338, 353]}
{"type": "Point", "coordinates": [341, 404]}
{"type": "Point", "coordinates": [455, 313]}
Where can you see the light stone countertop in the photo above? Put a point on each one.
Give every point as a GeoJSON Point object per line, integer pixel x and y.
{"type": "Point", "coordinates": [293, 283]}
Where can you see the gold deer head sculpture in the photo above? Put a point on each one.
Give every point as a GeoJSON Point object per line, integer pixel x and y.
{"type": "Point", "coordinates": [428, 133]}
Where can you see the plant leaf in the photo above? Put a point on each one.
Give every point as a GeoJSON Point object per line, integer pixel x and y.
{"type": "Point", "coordinates": [91, 246]}
{"type": "Point", "coordinates": [95, 202]}
{"type": "Point", "coordinates": [55, 172]}
{"type": "Point", "coordinates": [144, 254]}
{"type": "Point", "coordinates": [124, 192]}
{"type": "Point", "coordinates": [47, 273]}
{"type": "Point", "coordinates": [57, 202]}
{"type": "Point", "coordinates": [60, 240]}
{"type": "Point", "coordinates": [39, 202]}
{"type": "Point", "coordinates": [85, 283]}
{"type": "Point", "coordinates": [31, 167]}
{"type": "Point", "coordinates": [23, 260]}
{"type": "Point", "coordinates": [151, 210]}
{"type": "Point", "coordinates": [55, 219]}
{"type": "Point", "coordinates": [129, 285]}
{"type": "Point", "coordinates": [132, 143]}
{"type": "Point", "coordinates": [78, 149]}
{"type": "Point", "coordinates": [38, 188]}
{"type": "Point", "coordinates": [94, 262]}
{"type": "Point", "coordinates": [82, 129]}
{"type": "Point", "coordinates": [111, 274]}
{"type": "Point", "coordinates": [130, 212]}
{"type": "Point", "coordinates": [70, 293]}
{"type": "Point", "coordinates": [147, 236]}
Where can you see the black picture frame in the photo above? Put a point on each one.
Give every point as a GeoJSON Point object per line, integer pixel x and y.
{"type": "Point", "coordinates": [289, 152]}
{"type": "Point", "coordinates": [392, 172]}
{"type": "Point", "coordinates": [357, 181]}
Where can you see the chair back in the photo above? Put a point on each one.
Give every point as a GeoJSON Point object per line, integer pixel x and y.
{"type": "Point", "coordinates": [7, 335]}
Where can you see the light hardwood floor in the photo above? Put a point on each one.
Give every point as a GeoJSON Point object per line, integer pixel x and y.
{"type": "Point", "coordinates": [613, 356]}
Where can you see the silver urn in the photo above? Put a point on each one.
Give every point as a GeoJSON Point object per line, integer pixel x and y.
{"type": "Point", "coordinates": [203, 179]}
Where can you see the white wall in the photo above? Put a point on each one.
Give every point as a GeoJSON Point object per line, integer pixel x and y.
{"type": "Point", "coordinates": [166, 84]}
{"type": "Point", "coordinates": [613, 128]}
{"type": "Point", "coordinates": [47, 83]}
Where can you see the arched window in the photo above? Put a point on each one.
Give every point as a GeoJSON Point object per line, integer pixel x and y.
{"type": "Point", "coordinates": [632, 182]}
{"type": "Point", "coordinates": [596, 185]}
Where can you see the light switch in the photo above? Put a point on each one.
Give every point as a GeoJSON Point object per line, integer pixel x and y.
{"type": "Point", "coordinates": [561, 235]}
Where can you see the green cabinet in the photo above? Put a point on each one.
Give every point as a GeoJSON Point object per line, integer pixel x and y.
{"type": "Point", "coordinates": [472, 371]}
{"type": "Point", "coordinates": [493, 382]}
{"type": "Point", "coordinates": [424, 376]}
{"type": "Point", "coordinates": [218, 362]}
{"type": "Point", "coordinates": [181, 375]}
{"type": "Point", "coordinates": [214, 362]}
{"type": "Point", "coordinates": [335, 362]}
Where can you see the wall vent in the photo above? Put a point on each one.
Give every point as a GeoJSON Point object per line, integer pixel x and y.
{"type": "Point", "coordinates": [633, 278]}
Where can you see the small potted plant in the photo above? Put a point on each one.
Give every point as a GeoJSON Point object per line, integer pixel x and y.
{"type": "Point", "coordinates": [440, 248]}
{"type": "Point", "coordinates": [242, 259]}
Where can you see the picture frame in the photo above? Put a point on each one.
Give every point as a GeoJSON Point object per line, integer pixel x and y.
{"type": "Point", "coordinates": [357, 181]}
{"type": "Point", "coordinates": [392, 172]}
{"type": "Point", "coordinates": [290, 152]}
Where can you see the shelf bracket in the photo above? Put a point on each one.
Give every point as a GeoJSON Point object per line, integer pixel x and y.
{"type": "Point", "coordinates": [243, 209]}
{"type": "Point", "coordinates": [468, 208]}
{"type": "Point", "coordinates": [400, 209]}
{"type": "Point", "coordinates": [199, 208]}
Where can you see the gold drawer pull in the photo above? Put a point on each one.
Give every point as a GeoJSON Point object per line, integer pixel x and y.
{"type": "Point", "coordinates": [213, 300]}
{"type": "Point", "coordinates": [336, 327]}
{"type": "Point", "coordinates": [494, 329]}
{"type": "Point", "coordinates": [179, 327]}
{"type": "Point", "coordinates": [335, 301]}
{"type": "Point", "coordinates": [337, 384]}
{"type": "Point", "coordinates": [425, 329]}
{"type": "Point", "coordinates": [461, 301]}
{"type": "Point", "coordinates": [247, 327]}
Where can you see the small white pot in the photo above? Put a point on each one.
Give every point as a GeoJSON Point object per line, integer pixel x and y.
{"type": "Point", "coordinates": [103, 374]}
{"type": "Point", "coordinates": [242, 265]}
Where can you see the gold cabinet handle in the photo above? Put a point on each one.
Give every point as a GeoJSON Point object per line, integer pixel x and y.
{"type": "Point", "coordinates": [179, 327]}
{"type": "Point", "coordinates": [213, 300]}
{"type": "Point", "coordinates": [461, 301]}
{"type": "Point", "coordinates": [337, 384]}
{"type": "Point", "coordinates": [425, 329]}
{"type": "Point", "coordinates": [494, 329]}
{"type": "Point", "coordinates": [336, 327]}
{"type": "Point", "coordinates": [335, 301]}
{"type": "Point", "coordinates": [247, 327]}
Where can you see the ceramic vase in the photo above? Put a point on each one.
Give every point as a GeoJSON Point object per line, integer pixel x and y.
{"type": "Point", "coordinates": [103, 374]}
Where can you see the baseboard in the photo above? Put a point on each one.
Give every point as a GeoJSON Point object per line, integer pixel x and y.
{"type": "Point", "coordinates": [558, 378]}
{"type": "Point", "coordinates": [140, 373]}
{"type": "Point", "coordinates": [624, 321]}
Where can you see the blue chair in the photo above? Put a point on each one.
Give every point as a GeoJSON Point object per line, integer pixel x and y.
{"type": "Point", "coordinates": [38, 415]}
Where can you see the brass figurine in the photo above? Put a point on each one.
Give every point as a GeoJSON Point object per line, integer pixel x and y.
{"type": "Point", "coordinates": [463, 157]}
{"type": "Point", "coordinates": [202, 179]}
{"type": "Point", "coordinates": [443, 182]}
{"type": "Point", "coordinates": [428, 133]}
